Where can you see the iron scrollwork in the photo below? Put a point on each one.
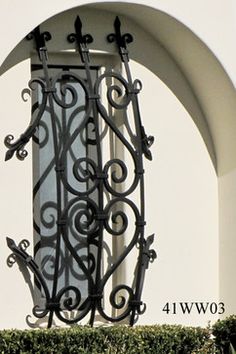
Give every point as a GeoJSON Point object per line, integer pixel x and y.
{"type": "Point", "coordinates": [92, 198]}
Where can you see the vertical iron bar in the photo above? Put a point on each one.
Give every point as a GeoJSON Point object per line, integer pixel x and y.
{"type": "Point", "coordinates": [136, 112]}
{"type": "Point", "coordinates": [121, 41]}
{"type": "Point", "coordinates": [65, 194]}
{"type": "Point", "coordinates": [43, 56]}
{"type": "Point", "coordinates": [82, 41]}
{"type": "Point", "coordinates": [100, 189]}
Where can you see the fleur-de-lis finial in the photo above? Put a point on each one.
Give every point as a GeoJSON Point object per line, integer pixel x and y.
{"type": "Point", "coordinates": [40, 39]}
{"type": "Point", "coordinates": [121, 40]}
{"type": "Point", "coordinates": [82, 40]}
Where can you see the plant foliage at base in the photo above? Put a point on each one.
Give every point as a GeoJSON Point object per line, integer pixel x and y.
{"type": "Point", "coordinates": [163, 339]}
{"type": "Point", "coordinates": [224, 332]}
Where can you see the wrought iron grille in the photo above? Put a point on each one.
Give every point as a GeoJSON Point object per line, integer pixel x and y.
{"type": "Point", "coordinates": [91, 199]}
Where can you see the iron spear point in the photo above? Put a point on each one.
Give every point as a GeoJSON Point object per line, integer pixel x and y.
{"type": "Point", "coordinates": [9, 155]}
{"type": "Point", "coordinates": [78, 30]}
{"type": "Point", "coordinates": [10, 243]}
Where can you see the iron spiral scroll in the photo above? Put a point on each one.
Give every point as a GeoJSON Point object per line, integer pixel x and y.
{"type": "Point", "coordinates": [93, 195]}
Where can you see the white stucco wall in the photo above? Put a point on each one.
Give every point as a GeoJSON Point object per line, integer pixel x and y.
{"type": "Point", "coordinates": [182, 198]}
{"type": "Point", "coordinates": [182, 209]}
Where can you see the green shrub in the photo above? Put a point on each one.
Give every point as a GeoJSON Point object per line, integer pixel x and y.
{"type": "Point", "coordinates": [224, 332]}
{"type": "Point", "coordinates": [163, 339]}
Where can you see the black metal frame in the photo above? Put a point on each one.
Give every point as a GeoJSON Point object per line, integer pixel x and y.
{"type": "Point", "coordinates": [103, 178]}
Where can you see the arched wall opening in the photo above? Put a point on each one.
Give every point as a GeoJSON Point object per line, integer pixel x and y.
{"type": "Point", "coordinates": [151, 53]}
